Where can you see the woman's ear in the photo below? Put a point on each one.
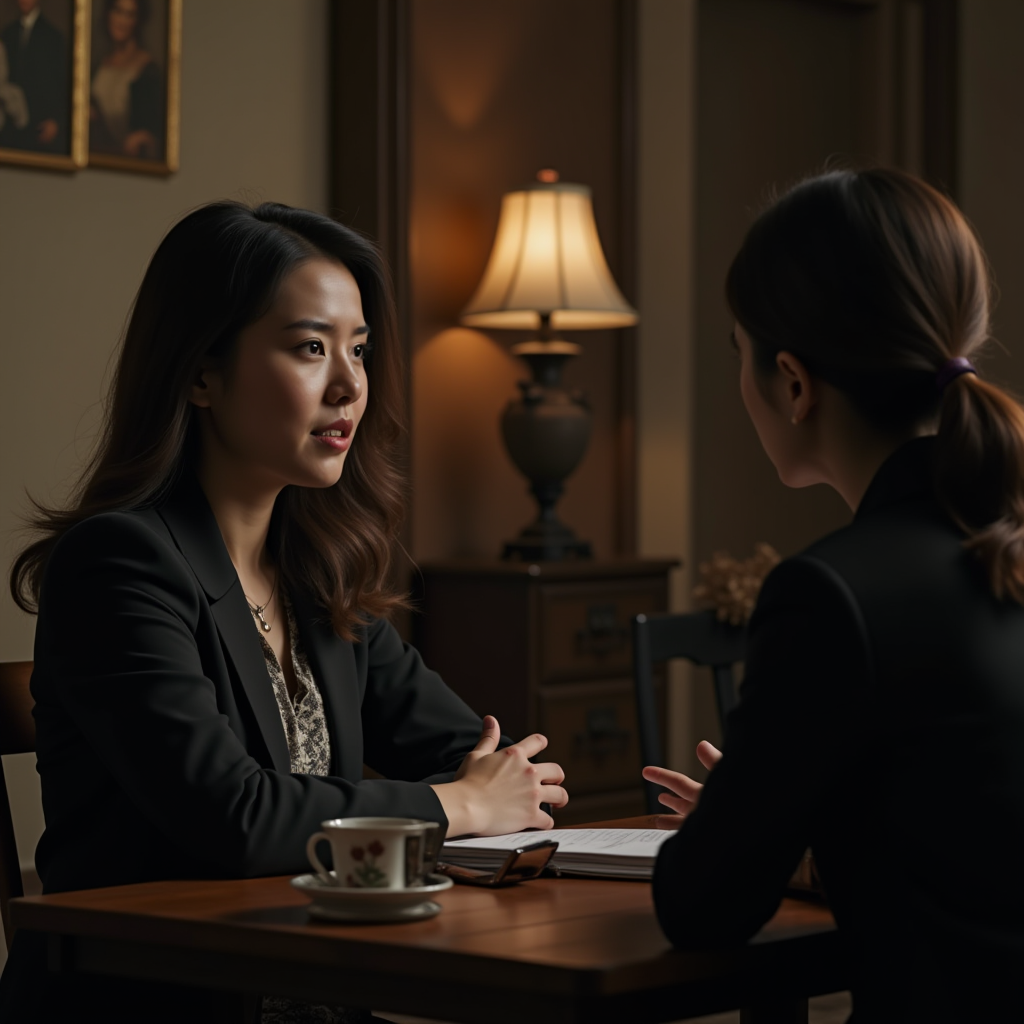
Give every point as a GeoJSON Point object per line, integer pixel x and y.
{"type": "Point", "coordinates": [200, 394]}
{"type": "Point", "coordinates": [799, 388]}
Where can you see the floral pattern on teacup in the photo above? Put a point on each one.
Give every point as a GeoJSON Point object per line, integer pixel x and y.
{"type": "Point", "coordinates": [368, 875]}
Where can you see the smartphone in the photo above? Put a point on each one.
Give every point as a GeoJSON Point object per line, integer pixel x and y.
{"type": "Point", "coordinates": [520, 865]}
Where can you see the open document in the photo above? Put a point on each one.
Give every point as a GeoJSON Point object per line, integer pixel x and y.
{"type": "Point", "coordinates": [600, 852]}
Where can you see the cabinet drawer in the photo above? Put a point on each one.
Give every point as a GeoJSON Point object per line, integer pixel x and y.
{"type": "Point", "coordinates": [586, 631]}
{"type": "Point", "coordinates": [592, 733]}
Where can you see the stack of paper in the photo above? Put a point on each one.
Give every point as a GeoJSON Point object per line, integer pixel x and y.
{"type": "Point", "coordinates": [600, 852]}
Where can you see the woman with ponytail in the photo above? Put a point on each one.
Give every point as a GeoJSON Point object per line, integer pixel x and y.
{"type": "Point", "coordinates": [881, 720]}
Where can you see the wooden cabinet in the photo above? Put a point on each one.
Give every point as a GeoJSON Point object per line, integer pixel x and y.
{"type": "Point", "coordinates": [547, 647]}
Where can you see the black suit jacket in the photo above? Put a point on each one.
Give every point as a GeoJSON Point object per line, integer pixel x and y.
{"type": "Point", "coordinates": [41, 69]}
{"type": "Point", "coordinates": [881, 723]}
{"type": "Point", "coordinates": [159, 741]}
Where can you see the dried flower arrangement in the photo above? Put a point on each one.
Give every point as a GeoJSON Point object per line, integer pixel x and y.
{"type": "Point", "coordinates": [731, 586]}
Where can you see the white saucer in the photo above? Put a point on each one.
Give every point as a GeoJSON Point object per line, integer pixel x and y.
{"type": "Point", "coordinates": [340, 903]}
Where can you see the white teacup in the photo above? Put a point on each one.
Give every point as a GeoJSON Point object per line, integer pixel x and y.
{"type": "Point", "coordinates": [376, 853]}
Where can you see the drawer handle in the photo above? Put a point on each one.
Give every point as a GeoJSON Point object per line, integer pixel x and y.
{"type": "Point", "coordinates": [603, 736]}
{"type": "Point", "coordinates": [603, 634]}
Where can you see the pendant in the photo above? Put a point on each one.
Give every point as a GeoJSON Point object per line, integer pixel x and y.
{"type": "Point", "coordinates": [264, 625]}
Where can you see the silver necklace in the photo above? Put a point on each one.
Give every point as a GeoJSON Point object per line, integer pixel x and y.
{"type": "Point", "coordinates": [258, 609]}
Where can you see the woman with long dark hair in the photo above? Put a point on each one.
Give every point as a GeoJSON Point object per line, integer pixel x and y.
{"type": "Point", "coordinates": [213, 661]}
{"type": "Point", "coordinates": [882, 713]}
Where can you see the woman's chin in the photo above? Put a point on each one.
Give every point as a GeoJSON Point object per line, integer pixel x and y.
{"type": "Point", "coordinates": [797, 477]}
{"type": "Point", "coordinates": [321, 478]}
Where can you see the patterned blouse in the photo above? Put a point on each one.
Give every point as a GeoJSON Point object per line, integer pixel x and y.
{"type": "Point", "coordinates": [305, 727]}
{"type": "Point", "coordinates": [309, 749]}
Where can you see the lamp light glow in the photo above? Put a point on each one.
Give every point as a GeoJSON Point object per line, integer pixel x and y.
{"type": "Point", "coordinates": [547, 262]}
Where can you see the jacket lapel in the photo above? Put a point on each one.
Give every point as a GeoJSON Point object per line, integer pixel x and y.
{"type": "Point", "coordinates": [333, 664]}
{"type": "Point", "coordinates": [195, 531]}
{"type": "Point", "coordinates": [234, 622]}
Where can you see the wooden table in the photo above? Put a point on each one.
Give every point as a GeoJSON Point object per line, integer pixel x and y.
{"type": "Point", "coordinates": [549, 950]}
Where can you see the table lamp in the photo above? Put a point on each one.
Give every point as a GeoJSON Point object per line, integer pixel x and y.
{"type": "Point", "coordinates": [547, 273]}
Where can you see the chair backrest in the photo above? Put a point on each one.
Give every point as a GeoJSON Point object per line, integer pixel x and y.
{"type": "Point", "coordinates": [697, 636]}
{"type": "Point", "coordinates": [17, 736]}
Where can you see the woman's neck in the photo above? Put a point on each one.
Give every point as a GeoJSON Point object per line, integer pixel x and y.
{"type": "Point", "coordinates": [243, 514]}
{"type": "Point", "coordinates": [852, 450]}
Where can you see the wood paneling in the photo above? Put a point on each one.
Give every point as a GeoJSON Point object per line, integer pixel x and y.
{"type": "Point", "coordinates": [940, 87]}
{"type": "Point", "coordinates": [991, 167]}
{"type": "Point", "coordinates": [500, 90]}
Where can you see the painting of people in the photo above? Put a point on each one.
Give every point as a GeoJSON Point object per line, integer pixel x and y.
{"type": "Point", "coordinates": [42, 53]}
{"type": "Point", "coordinates": [133, 86]}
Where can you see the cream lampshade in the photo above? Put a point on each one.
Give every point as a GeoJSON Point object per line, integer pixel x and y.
{"type": "Point", "coordinates": [547, 261]}
{"type": "Point", "coordinates": [547, 273]}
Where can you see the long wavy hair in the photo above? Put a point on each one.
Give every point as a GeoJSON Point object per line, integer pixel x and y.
{"type": "Point", "coordinates": [874, 280]}
{"type": "Point", "coordinates": [216, 272]}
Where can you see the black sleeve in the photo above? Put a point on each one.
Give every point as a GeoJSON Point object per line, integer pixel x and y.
{"type": "Point", "coordinates": [722, 877]}
{"type": "Point", "coordinates": [414, 726]}
{"type": "Point", "coordinates": [119, 673]}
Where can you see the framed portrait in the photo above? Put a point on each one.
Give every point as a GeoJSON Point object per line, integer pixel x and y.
{"type": "Point", "coordinates": [44, 81]}
{"type": "Point", "coordinates": [134, 85]}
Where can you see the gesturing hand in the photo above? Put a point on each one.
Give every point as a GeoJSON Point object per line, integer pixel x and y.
{"type": "Point", "coordinates": [497, 791]}
{"type": "Point", "coordinates": [685, 792]}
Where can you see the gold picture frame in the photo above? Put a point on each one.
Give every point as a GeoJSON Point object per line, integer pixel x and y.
{"type": "Point", "coordinates": [153, 136]}
{"type": "Point", "coordinates": [47, 70]}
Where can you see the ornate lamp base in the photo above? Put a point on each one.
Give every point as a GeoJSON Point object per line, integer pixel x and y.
{"type": "Point", "coordinates": [547, 538]}
{"type": "Point", "coordinates": [546, 432]}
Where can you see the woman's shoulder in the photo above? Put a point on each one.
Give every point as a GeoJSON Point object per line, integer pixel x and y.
{"type": "Point", "coordinates": [885, 573]}
{"type": "Point", "coordinates": [117, 560]}
{"type": "Point", "coordinates": [126, 536]}
{"type": "Point", "coordinates": [908, 546]}
{"type": "Point", "coordinates": [810, 580]}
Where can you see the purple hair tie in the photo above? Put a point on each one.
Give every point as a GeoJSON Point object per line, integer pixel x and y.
{"type": "Point", "coordinates": [950, 370]}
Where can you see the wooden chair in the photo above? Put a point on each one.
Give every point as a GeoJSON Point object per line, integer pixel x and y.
{"type": "Point", "coordinates": [697, 636]}
{"type": "Point", "coordinates": [17, 736]}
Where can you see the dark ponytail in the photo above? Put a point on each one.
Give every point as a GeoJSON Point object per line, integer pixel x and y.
{"type": "Point", "coordinates": [979, 475]}
{"type": "Point", "coordinates": [875, 280]}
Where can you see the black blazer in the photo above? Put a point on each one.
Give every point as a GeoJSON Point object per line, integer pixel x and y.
{"type": "Point", "coordinates": [159, 741]}
{"type": "Point", "coordinates": [881, 723]}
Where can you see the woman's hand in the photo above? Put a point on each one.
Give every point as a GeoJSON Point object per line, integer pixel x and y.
{"type": "Point", "coordinates": [684, 791]}
{"type": "Point", "coordinates": [497, 791]}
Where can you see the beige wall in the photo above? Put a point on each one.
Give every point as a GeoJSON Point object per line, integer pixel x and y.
{"type": "Point", "coordinates": [73, 249]}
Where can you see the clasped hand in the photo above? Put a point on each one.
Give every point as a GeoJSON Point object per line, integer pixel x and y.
{"type": "Point", "coordinates": [498, 791]}
{"type": "Point", "coordinates": [684, 791]}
